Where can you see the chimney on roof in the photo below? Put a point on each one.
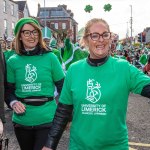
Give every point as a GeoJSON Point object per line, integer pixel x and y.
{"type": "Point", "coordinates": [39, 6]}
{"type": "Point", "coordinates": [71, 15]}
{"type": "Point", "coordinates": [69, 11]}
{"type": "Point", "coordinates": [64, 6]}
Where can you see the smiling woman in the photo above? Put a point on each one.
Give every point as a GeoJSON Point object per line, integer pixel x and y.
{"type": "Point", "coordinates": [96, 90]}
{"type": "Point", "coordinates": [32, 74]}
{"type": "Point", "coordinates": [29, 36]}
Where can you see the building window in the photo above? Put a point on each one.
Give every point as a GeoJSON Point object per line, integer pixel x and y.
{"type": "Point", "coordinates": [5, 24]}
{"type": "Point", "coordinates": [4, 6]}
{"type": "Point", "coordinates": [44, 14]}
{"type": "Point", "coordinates": [57, 13]}
{"type": "Point", "coordinates": [5, 27]}
{"type": "Point", "coordinates": [12, 9]}
{"type": "Point", "coordinates": [63, 25]}
{"type": "Point", "coordinates": [56, 25]}
{"type": "Point", "coordinates": [13, 26]}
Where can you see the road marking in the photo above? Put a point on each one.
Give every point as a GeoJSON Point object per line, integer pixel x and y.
{"type": "Point", "coordinates": [132, 148]}
{"type": "Point", "coordinates": [139, 144]}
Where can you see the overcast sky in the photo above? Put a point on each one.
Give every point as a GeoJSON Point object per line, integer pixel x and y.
{"type": "Point", "coordinates": [118, 18]}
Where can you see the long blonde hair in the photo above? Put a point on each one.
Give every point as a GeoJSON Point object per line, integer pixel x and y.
{"type": "Point", "coordinates": [19, 42]}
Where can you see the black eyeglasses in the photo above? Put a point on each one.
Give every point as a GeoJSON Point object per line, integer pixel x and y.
{"type": "Point", "coordinates": [96, 36]}
{"type": "Point", "coordinates": [27, 33]}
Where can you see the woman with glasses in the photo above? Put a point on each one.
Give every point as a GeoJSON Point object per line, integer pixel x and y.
{"type": "Point", "coordinates": [96, 92]}
{"type": "Point", "coordinates": [32, 74]}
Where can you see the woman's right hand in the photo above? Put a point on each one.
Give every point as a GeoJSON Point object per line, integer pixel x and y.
{"type": "Point", "coordinates": [19, 107]}
{"type": "Point", "coordinates": [46, 148]}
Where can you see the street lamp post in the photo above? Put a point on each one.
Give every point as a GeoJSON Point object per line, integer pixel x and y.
{"type": "Point", "coordinates": [131, 21]}
{"type": "Point", "coordinates": [45, 14]}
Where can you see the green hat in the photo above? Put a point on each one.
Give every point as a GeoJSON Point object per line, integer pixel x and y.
{"type": "Point", "coordinates": [23, 21]}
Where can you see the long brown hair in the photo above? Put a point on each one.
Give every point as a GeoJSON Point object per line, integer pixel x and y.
{"type": "Point", "coordinates": [19, 42]}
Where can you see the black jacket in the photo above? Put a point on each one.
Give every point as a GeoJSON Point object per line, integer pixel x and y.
{"type": "Point", "coordinates": [2, 81]}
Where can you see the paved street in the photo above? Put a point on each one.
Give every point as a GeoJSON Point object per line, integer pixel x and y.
{"type": "Point", "coordinates": [138, 121]}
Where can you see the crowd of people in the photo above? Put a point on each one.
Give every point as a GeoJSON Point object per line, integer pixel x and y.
{"type": "Point", "coordinates": [91, 98]}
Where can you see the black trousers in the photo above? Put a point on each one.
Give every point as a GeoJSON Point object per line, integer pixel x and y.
{"type": "Point", "coordinates": [31, 138]}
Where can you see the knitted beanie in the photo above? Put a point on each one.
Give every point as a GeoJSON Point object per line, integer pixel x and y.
{"type": "Point", "coordinates": [23, 21]}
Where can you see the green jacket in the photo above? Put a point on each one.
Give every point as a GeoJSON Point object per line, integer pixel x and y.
{"type": "Point", "coordinates": [72, 53]}
{"type": "Point", "coordinates": [143, 59]}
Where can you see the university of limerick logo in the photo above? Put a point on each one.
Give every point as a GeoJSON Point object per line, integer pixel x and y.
{"type": "Point", "coordinates": [31, 74]}
{"type": "Point", "coordinates": [93, 91]}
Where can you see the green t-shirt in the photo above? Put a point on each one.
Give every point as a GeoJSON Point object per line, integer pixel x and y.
{"type": "Point", "coordinates": [57, 53]}
{"type": "Point", "coordinates": [99, 96]}
{"type": "Point", "coordinates": [8, 54]}
{"type": "Point", "coordinates": [35, 76]}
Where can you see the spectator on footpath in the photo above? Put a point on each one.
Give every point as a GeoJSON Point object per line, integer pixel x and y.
{"type": "Point", "coordinates": [47, 39]}
{"type": "Point", "coordinates": [96, 90]}
{"type": "Point", "coordinates": [143, 58]}
{"type": "Point", "coordinates": [11, 51]}
{"type": "Point", "coordinates": [3, 45]}
{"type": "Point", "coordinates": [146, 68]}
{"type": "Point", "coordinates": [32, 74]}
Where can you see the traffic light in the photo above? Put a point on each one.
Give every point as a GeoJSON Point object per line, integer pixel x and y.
{"type": "Point", "coordinates": [143, 37]}
{"type": "Point", "coordinates": [140, 37]}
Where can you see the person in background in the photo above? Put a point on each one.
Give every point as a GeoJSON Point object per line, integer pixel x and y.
{"type": "Point", "coordinates": [119, 54]}
{"type": "Point", "coordinates": [143, 58]}
{"type": "Point", "coordinates": [71, 53]}
{"type": "Point", "coordinates": [9, 42]}
{"type": "Point", "coordinates": [146, 68]}
{"type": "Point", "coordinates": [47, 41]}
{"type": "Point", "coordinates": [126, 54]}
{"type": "Point", "coordinates": [7, 52]}
{"type": "Point", "coordinates": [32, 74]}
{"type": "Point", "coordinates": [11, 51]}
{"type": "Point", "coordinates": [96, 90]}
{"type": "Point", "coordinates": [3, 45]}
{"type": "Point", "coordinates": [54, 50]}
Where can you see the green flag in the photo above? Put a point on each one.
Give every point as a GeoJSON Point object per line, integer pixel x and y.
{"type": "Point", "coordinates": [46, 32]}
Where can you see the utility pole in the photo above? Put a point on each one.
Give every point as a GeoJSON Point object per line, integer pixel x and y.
{"type": "Point", "coordinates": [45, 29]}
{"type": "Point", "coordinates": [131, 21]}
{"type": "Point", "coordinates": [45, 14]}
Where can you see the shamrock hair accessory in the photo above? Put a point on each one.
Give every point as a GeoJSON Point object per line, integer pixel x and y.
{"type": "Point", "coordinates": [88, 8]}
{"type": "Point", "coordinates": [107, 7]}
